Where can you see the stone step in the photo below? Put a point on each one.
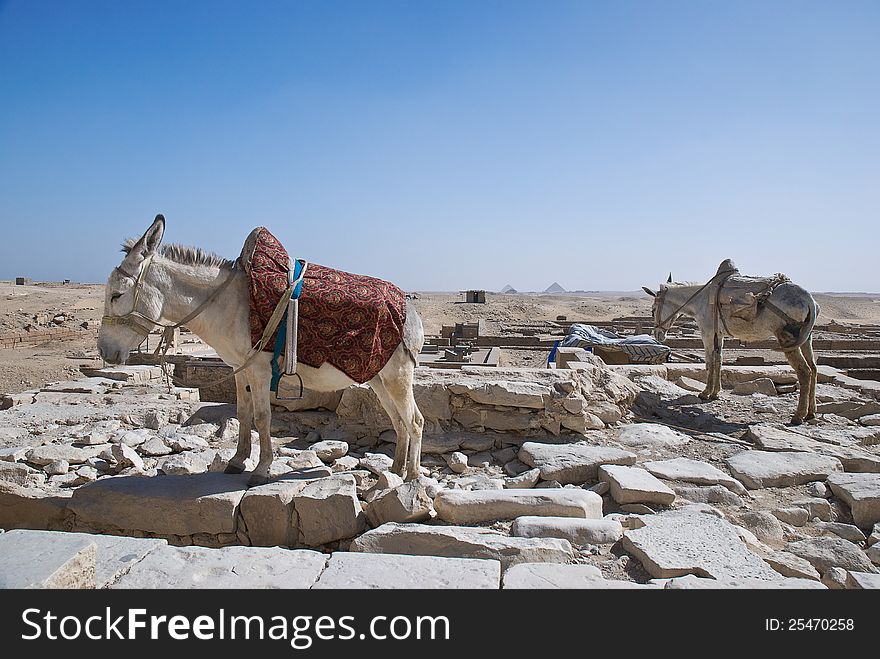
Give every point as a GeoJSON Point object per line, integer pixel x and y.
{"type": "Point", "coordinates": [572, 463]}
{"type": "Point", "coordinates": [861, 492]}
{"type": "Point", "coordinates": [759, 469]}
{"type": "Point", "coordinates": [479, 506]}
{"type": "Point", "coordinates": [461, 542]}
{"type": "Point", "coordinates": [635, 485]}
{"type": "Point", "coordinates": [576, 530]}
{"type": "Point", "coordinates": [694, 471]}
{"type": "Point", "coordinates": [546, 575]}
{"type": "Point", "coordinates": [46, 559]}
{"type": "Point", "coordinates": [225, 568]}
{"type": "Point", "coordinates": [164, 505]}
{"type": "Point", "coordinates": [399, 571]}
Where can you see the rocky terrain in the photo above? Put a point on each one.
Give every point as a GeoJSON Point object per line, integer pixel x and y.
{"type": "Point", "coordinates": [588, 476]}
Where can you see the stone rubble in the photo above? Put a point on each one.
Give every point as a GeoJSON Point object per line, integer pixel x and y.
{"type": "Point", "coordinates": [527, 455]}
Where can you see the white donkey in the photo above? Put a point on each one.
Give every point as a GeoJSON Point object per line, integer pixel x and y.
{"type": "Point", "coordinates": [172, 285]}
{"type": "Point", "coordinates": [778, 309]}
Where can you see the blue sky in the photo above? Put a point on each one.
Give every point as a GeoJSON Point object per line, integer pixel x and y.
{"type": "Point", "coordinates": [448, 145]}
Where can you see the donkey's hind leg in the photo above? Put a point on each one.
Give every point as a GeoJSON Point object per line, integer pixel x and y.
{"type": "Point", "coordinates": [810, 358]}
{"type": "Point", "coordinates": [804, 376]}
{"type": "Point", "coordinates": [244, 410]}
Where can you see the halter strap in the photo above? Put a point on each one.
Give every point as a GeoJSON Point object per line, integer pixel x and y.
{"type": "Point", "coordinates": [142, 324]}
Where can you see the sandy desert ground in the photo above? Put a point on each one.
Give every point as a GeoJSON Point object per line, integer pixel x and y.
{"type": "Point", "coordinates": [33, 366]}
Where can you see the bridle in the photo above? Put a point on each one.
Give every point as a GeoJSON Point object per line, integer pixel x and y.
{"type": "Point", "coordinates": [143, 324]}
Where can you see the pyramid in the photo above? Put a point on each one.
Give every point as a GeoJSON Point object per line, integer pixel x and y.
{"type": "Point", "coordinates": [554, 288]}
{"type": "Point", "coordinates": [508, 289]}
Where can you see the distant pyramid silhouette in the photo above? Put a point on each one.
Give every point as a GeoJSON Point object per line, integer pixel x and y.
{"type": "Point", "coordinates": [554, 288]}
{"type": "Point", "coordinates": [508, 289]}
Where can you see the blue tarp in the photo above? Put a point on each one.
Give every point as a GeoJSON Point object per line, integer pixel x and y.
{"type": "Point", "coordinates": [640, 349]}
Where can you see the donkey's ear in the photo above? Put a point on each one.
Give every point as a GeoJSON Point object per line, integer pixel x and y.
{"type": "Point", "coordinates": [148, 243]}
{"type": "Point", "coordinates": [649, 291]}
{"type": "Point", "coordinates": [669, 281]}
{"type": "Point", "coordinates": [153, 237]}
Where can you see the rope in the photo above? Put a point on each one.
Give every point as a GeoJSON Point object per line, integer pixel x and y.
{"type": "Point", "coordinates": [690, 299]}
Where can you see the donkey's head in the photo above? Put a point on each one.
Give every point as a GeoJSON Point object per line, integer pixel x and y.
{"type": "Point", "coordinates": [661, 324]}
{"type": "Point", "coordinates": [132, 301]}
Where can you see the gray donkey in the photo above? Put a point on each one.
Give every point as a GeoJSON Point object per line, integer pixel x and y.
{"type": "Point", "coordinates": [747, 308]}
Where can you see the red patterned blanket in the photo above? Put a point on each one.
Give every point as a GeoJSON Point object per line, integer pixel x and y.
{"type": "Point", "coordinates": [354, 322]}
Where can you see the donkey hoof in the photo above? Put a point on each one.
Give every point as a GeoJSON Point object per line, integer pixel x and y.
{"type": "Point", "coordinates": [796, 421]}
{"type": "Point", "coordinates": [810, 417]}
{"type": "Point", "coordinates": [232, 469]}
{"type": "Point", "coordinates": [257, 479]}
{"type": "Point", "coordinates": [704, 395]}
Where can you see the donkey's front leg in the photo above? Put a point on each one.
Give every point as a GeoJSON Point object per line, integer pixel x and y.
{"type": "Point", "coordinates": [259, 377]}
{"type": "Point", "coordinates": [713, 368]}
{"type": "Point", "coordinates": [719, 358]}
{"type": "Point", "coordinates": [706, 394]}
{"type": "Point", "coordinates": [244, 410]}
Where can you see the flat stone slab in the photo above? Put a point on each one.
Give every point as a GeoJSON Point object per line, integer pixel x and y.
{"type": "Point", "coordinates": [577, 531]}
{"type": "Point", "coordinates": [533, 576]}
{"type": "Point", "coordinates": [166, 505]}
{"type": "Point", "coordinates": [572, 463]}
{"type": "Point", "coordinates": [228, 567]}
{"type": "Point", "coordinates": [861, 492]}
{"type": "Point", "coordinates": [461, 542]}
{"type": "Point", "coordinates": [651, 435]}
{"type": "Point", "coordinates": [772, 438]}
{"type": "Point", "coordinates": [43, 455]}
{"type": "Point", "coordinates": [506, 393]}
{"type": "Point", "coordinates": [13, 453]}
{"type": "Point", "coordinates": [46, 559]}
{"type": "Point", "coordinates": [635, 485]}
{"type": "Point", "coordinates": [694, 471]}
{"type": "Point", "coordinates": [478, 506]}
{"type": "Point", "coordinates": [20, 474]}
{"type": "Point", "coordinates": [399, 571]}
{"type": "Point", "coordinates": [758, 469]}
{"type": "Point", "coordinates": [117, 553]}
{"type": "Point", "coordinates": [824, 553]}
{"type": "Point", "coordinates": [789, 565]}
{"type": "Point", "coordinates": [690, 582]}
{"type": "Point", "coordinates": [32, 507]}
{"type": "Point", "coordinates": [675, 543]}
{"type": "Point", "coordinates": [84, 386]}
{"type": "Point", "coordinates": [708, 494]}
{"type": "Point", "coordinates": [864, 580]}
